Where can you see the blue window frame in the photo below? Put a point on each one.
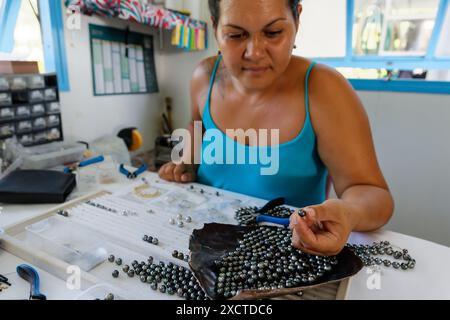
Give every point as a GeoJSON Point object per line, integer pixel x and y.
{"type": "Point", "coordinates": [9, 11]}
{"type": "Point", "coordinates": [52, 30]}
{"type": "Point", "coordinates": [52, 25]}
{"type": "Point", "coordinates": [427, 61]}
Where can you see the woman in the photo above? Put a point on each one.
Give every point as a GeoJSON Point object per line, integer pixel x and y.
{"type": "Point", "coordinates": [256, 83]}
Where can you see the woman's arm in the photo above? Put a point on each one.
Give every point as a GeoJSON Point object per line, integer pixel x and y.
{"type": "Point", "coordinates": [346, 147]}
{"type": "Point", "coordinates": [186, 171]}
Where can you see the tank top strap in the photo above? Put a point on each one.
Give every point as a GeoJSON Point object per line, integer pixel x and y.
{"type": "Point", "coordinates": [308, 73]}
{"type": "Point", "coordinates": [208, 123]}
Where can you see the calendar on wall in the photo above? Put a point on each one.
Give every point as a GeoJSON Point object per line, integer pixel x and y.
{"type": "Point", "coordinates": [122, 61]}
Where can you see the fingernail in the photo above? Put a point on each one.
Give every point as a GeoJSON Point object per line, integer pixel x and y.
{"type": "Point", "coordinates": [310, 212]}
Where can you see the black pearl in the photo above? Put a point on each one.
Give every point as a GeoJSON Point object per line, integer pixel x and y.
{"type": "Point", "coordinates": [131, 273]}
{"type": "Point", "coordinates": [115, 274]}
{"type": "Point", "coordinates": [109, 297]}
{"type": "Point", "coordinates": [162, 289]}
{"type": "Point", "coordinates": [119, 261]}
{"type": "Point", "coordinates": [111, 258]}
{"type": "Point", "coordinates": [126, 268]}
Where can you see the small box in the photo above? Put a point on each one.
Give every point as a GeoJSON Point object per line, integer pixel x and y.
{"type": "Point", "coordinates": [6, 114]}
{"type": "Point", "coordinates": [50, 94]}
{"type": "Point", "coordinates": [20, 97]}
{"type": "Point", "coordinates": [37, 109]}
{"type": "Point", "coordinates": [40, 137]}
{"type": "Point", "coordinates": [53, 107]}
{"type": "Point", "coordinates": [18, 83]}
{"type": "Point", "coordinates": [5, 99]}
{"type": "Point", "coordinates": [36, 82]}
{"type": "Point", "coordinates": [53, 120]}
{"type": "Point", "coordinates": [23, 112]}
{"type": "Point", "coordinates": [36, 96]}
{"type": "Point", "coordinates": [7, 130]}
{"type": "Point", "coordinates": [24, 126]}
{"type": "Point", "coordinates": [26, 139]}
{"type": "Point", "coordinates": [39, 123]}
{"type": "Point", "coordinates": [18, 67]}
{"type": "Point", "coordinates": [53, 134]}
{"type": "Point", "coordinates": [4, 84]}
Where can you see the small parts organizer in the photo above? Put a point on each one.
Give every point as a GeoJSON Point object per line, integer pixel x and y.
{"type": "Point", "coordinates": [30, 108]}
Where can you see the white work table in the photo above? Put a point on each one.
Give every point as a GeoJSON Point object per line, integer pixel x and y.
{"type": "Point", "coordinates": [428, 280]}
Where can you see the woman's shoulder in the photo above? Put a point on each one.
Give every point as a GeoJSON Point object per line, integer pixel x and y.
{"type": "Point", "coordinates": [200, 81]}
{"type": "Point", "coordinates": [324, 82]}
{"type": "Point", "coordinates": [204, 69]}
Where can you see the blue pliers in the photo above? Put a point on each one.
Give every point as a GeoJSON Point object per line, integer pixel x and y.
{"type": "Point", "coordinates": [135, 174]}
{"type": "Point", "coordinates": [29, 274]}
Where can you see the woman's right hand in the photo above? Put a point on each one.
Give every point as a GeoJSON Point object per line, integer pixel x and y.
{"type": "Point", "coordinates": [183, 173]}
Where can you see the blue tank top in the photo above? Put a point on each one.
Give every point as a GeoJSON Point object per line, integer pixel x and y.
{"type": "Point", "coordinates": [301, 176]}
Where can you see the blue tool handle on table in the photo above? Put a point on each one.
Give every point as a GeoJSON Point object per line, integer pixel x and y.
{"type": "Point", "coordinates": [29, 274]}
{"type": "Point", "coordinates": [281, 221]}
{"type": "Point", "coordinates": [141, 169]}
{"type": "Point", "coordinates": [88, 162]}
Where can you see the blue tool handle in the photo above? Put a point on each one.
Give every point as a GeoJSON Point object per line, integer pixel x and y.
{"type": "Point", "coordinates": [281, 221]}
{"type": "Point", "coordinates": [140, 170]}
{"type": "Point", "coordinates": [29, 274]}
{"type": "Point", "coordinates": [91, 161]}
{"type": "Point", "coordinates": [123, 170]}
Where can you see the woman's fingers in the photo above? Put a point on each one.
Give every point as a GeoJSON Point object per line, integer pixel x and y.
{"type": "Point", "coordinates": [309, 234]}
{"type": "Point", "coordinates": [177, 173]}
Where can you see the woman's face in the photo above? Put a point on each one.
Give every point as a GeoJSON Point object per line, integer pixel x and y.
{"type": "Point", "coordinates": [256, 38]}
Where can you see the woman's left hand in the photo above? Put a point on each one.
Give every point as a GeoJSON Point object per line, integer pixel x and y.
{"type": "Point", "coordinates": [324, 230]}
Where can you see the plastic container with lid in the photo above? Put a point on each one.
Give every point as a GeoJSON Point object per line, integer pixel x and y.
{"type": "Point", "coordinates": [52, 155]}
{"type": "Point", "coordinates": [67, 241]}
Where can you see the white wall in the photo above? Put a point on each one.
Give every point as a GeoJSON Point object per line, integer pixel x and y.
{"type": "Point", "coordinates": [411, 134]}
{"type": "Point", "coordinates": [86, 117]}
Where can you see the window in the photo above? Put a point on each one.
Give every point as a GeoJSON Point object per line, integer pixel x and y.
{"type": "Point", "coordinates": [26, 40]}
{"type": "Point", "coordinates": [404, 41]}
{"type": "Point", "coordinates": [32, 30]}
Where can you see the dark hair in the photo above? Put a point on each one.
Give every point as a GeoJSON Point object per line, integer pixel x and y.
{"type": "Point", "coordinates": [214, 8]}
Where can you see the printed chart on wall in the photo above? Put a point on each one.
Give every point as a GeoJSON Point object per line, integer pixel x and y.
{"type": "Point", "coordinates": [122, 61]}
